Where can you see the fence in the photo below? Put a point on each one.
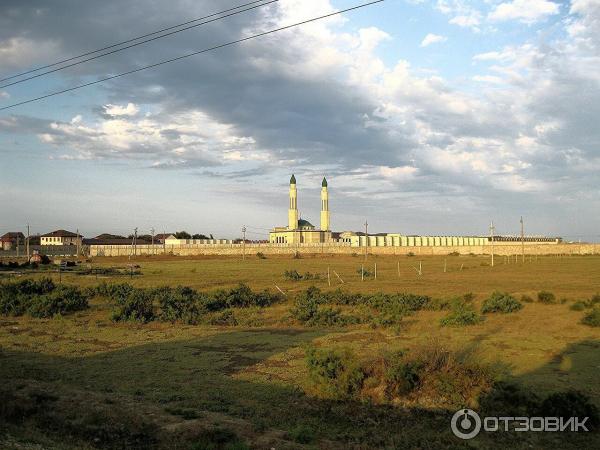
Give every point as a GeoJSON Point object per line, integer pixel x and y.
{"type": "Point", "coordinates": [337, 248]}
{"type": "Point", "coordinates": [50, 250]}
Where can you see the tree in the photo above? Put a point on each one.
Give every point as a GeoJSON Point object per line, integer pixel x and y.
{"type": "Point", "coordinates": [200, 236]}
{"type": "Point", "coordinates": [183, 235]}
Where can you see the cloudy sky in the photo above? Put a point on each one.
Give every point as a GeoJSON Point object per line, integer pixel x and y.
{"type": "Point", "coordinates": [426, 116]}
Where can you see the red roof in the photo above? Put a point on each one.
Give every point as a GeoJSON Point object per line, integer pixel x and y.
{"type": "Point", "coordinates": [12, 236]}
{"type": "Point", "coordinates": [61, 233]}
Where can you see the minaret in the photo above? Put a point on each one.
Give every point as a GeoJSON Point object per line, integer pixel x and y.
{"type": "Point", "coordinates": [324, 206]}
{"type": "Point", "coordinates": [293, 211]}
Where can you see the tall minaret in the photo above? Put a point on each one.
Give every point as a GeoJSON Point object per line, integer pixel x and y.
{"type": "Point", "coordinates": [293, 211]}
{"type": "Point", "coordinates": [324, 206]}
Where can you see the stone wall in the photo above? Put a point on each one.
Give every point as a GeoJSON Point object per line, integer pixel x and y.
{"type": "Point", "coordinates": [340, 248]}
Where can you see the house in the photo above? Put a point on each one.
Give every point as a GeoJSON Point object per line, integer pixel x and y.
{"type": "Point", "coordinates": [61, 237]}
{"type": "Point", "coordinates": [113, 239]}
{"type": "Point", "coordinates": [162, 237]}
{"type": "Point", "coordinates": [11, 239]}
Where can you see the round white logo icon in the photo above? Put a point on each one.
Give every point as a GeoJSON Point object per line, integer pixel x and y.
{"type": "Point", "coordinates": [466, 424]}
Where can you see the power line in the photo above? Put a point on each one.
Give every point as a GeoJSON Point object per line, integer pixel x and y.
{"type": "Point", "coordinates": [238, 41]}
{"type": "Point", "coordinates": [127, 41]}
{"type": "Point", "coordinates": [136, 44]}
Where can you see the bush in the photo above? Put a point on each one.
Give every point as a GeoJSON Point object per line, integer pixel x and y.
{"type": "Point", "coordinates": [595, 300]}
{"type": "Point", "coordinates": [501, 302]}
{"type": "Point", "coordinates": [114, 291]}
{"type": "Point", "coordinates": [401, 376]}
{"type": "Point", "coordinates": [335, 374]}
{"type": "Point", "coordinates": [365, 272]}
{"type": "Point", "coordinates": [578, 306]}
{"type": "Point", "coordinates": [226, 317]}
{"type": "Point", "coordinates": [510, 399]}
{"type": "Point", "coordinates": [526, 299]}
{"type": "Point", "coordinates": [592, 318]}
{"type": "Point", "coordinates": [180, 304]}
{"type": "Point", "coordinates": [571, 404]}
{"type": "Point", "coordinates": [292, 275]}
{"type": "Point", "coordinates": [302, 434]}
{"type": "Point", "coordinates": [61, 300]}
{"type": "Point", "coordinates": [546, 297]}
{"type": "Point", "coordinates": [137, 306]}
{"type": "Point", "coordinates": [461, 314]}
{"type": "Point", "coordinates": [453, 254]}
{"type": "Point", "coordinates": [40, 298]}
{"type": "Point", "coordinates": [261, 255]}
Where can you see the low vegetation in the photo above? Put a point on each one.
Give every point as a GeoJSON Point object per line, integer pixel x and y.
{"type": "Point", "coordinates": [592, 318]}
{"type": "Point", "coordinates": [430, 375]}
{"type": "Point", "coordinates": [546, 297]}
{"type": "Point", "coordinates": [40, 298]}
{"type": "Point", "coordinates": [182, 304]}
{"type": "Point", "coordinates": [501, 302]}
{"type": "Point", "coordinates": [462, 313]}
{"type": "Point", "coordinates": [294, 275]}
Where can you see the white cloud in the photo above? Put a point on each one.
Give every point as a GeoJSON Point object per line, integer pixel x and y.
{"type": "Point", "coordinates": [4, 94]}
{"type": "Point", "coordinates": [433, 39]}
{"type": "Point", "coordinates": [117, 110]}
{"type": "Point", "coordinates": [525, 11]}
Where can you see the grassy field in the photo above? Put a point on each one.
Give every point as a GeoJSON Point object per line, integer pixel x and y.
{"type": "Point", "coordinates": [175, 385]}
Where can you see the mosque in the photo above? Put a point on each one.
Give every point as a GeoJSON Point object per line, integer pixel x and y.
{"type": "Point", "coordinates": [300, 231]}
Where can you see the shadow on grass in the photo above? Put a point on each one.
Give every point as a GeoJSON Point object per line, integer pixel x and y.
{"type": "Point", "coordinates": [193, 376]}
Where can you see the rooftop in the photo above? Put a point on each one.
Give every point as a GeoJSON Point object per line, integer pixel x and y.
{"type": "Point", "coordinates": [61, 233]}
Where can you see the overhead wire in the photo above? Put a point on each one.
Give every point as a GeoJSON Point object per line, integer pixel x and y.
{"type": "Point", "coordinates": [91, 58]}
{"type": "Point", "coordinates": [206, 50]}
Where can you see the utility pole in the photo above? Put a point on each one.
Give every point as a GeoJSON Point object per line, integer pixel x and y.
{"type": "Point", "coordinates": [27, 243]}
{"type": "Point", "coordinates": [366, 239]}
{"type": "Point", "coordinates": [164, 243]}
{"type": "Point", "coordinates": [522, 239]}
{"type": "Point", "coordinates": [135, 242]}
{"type": "Point", "coordinates": [244, 242]}
{"type": "Point", "coordinates": [152, 234]}
{"type": "Point", "coordinates": [77, 246]}
{"type": "Point", "coordinates": [492, 231]}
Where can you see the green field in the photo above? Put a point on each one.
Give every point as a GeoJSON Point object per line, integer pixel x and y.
{"type": "Point", "coordinates": [172, 385]}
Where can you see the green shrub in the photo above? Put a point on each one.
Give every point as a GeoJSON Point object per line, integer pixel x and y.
{"type": "Point", "coordinates": [592, 318]}
{"type": "Point", "coordinates": [40, 298]}
{"type": "Point", "coordinates": [114, 291]}
{"type": "Point", "coordinates": [335, 374]}
{"type": "Point", "coordinates": [226, 317]}
{"type": "Point", "coordinates": [571, 404]}
{"type": "Point", "coordinates": [61, 300]}
{"type": "Point", "coordinates": [401, 376]}
{"type": "Point", "coordinates": [261, 255]}
{"type": "Point", "coordinates": [180, 304]}
{"type": "Point", "coordinates": [578, 306]}
{"type": "Point", "coordinates": [307, 311]}
{"type": "Point", "coordinates": [510, 399]}
{"type": "Point", "coordinates": [461, 314]}
{"type": "Point", "coordinates": [137, 306]}
{"type": "Point", "coordinates": [302, 434]}
{"type": "Point", "coordinates": [595, 300]}
{"type": "Point", "coordinates": [501, 302]}
{"type": "Point", "coordinates": [546, 297]}
{"type": "Point", "coordinates": [292, 275]}
{"type": "Point", "coordinates": [365, 272]}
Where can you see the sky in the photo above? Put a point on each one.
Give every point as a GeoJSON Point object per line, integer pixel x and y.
{"type": "Point", "coordinates": [426, 117]}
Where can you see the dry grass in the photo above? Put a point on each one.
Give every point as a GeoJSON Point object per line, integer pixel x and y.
{"type": "Point", "coordinates": [252, 373]}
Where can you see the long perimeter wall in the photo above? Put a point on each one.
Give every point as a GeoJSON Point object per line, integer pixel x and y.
{"type": "Point", "coordinates": [339, 248]}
